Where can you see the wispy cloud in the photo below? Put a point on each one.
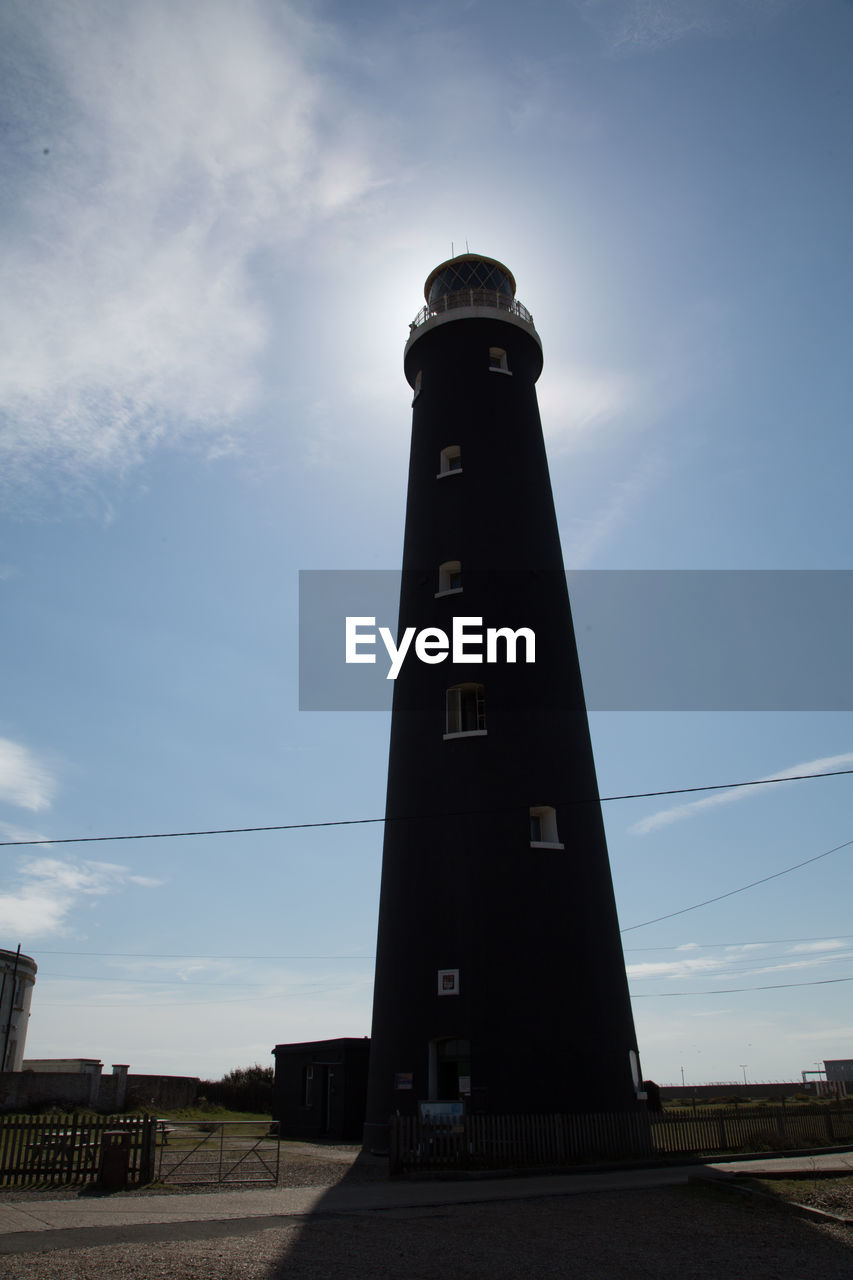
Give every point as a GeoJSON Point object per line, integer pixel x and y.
{"type": "Point", "coordinates": [24, 780]}
{"type": "Point", "coordinates": [159, 150]}
{"type": "Point", "coordinates": [680, 812]}
{"type": "Point", "coordinates": [827, 944]}
{"type": "Point", "coordinates": [48, 890]}
{"type": "Point", "coordinates": [578, 402]}
{"type": "Point", "coordinates": [677, 968]}
{"type": "Point", "coordinates": [585, 537]}
{"type": "Point", "coordinates": [739, 962]}
{"type": "Point", "coordinates": [9, 831]}
{"type": "Point", "coordinates": [642, 26]}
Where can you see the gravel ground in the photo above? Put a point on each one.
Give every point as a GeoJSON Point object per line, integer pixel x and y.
{"type": "Point", "coordinates": [677, 1233]}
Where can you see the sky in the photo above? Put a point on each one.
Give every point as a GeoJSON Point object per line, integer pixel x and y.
{"type": "Point", "coordinates": [217, 219]}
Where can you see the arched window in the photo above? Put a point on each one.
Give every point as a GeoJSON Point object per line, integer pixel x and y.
{"type": "Point", "coordinates": [466, 710]}
{"type": "Point", "coordinates": [450, 460]}
{"type": "Point", "coordinates": [543, 827]}
{"type": "Point", "coordinates": [449, 577]}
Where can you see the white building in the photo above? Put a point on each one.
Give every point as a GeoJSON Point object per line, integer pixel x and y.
{"type": "Point", "coordinates": [17, 979]}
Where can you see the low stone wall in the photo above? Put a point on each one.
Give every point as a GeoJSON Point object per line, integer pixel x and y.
{"type": "Point", "coordinates": [20, 1089]}
{"type": "Point", "coordinates": [166, 1092]}
{"type": "Point", "coordinates": [110, 1093]}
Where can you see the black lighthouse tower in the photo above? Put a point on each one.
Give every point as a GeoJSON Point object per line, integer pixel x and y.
{"type": "Point", "coordinates": [500, 979]}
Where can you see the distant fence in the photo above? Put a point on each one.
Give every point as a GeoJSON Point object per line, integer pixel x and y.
{"type": "Point", "coordinates": [517, 1142]}
{"type": "Point", "coordinates": [711, 1130]}
{"type": "Point", "coordinates": [60, 1149]}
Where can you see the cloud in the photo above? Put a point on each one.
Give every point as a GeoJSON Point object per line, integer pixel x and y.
{"type": "Point", "coordinates": [582, 542]}
{"type": "Point", "coordinates": [665, 817]}
{"type": "Point", "coordinates": [677, 968]}
{"type": "Point", "coordinates": [811, 963]}
{"type": "Point", "coordinates": [160, 152]}
{"type": "Point", "coordinates": [737, 962]}
{"type": "Point", "coordinates": [828, 944]}
{"type": "Point", "coordinates": [641, 26]}
{"type": "Point", "coordinates": [24, 780]}
{"type": "Point", "coordinates": [49, 890]}
{"type": "Point", "coordinates": [9, 832]}
{"type": "Point", "coordinates": [576, 402]}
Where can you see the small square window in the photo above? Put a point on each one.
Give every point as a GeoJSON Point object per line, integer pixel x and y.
{"type": "Point", "coordinates": [466, 709]}
{"type": "Point", "coordinates": [450, 460]}
{"type": "Point", "coordinates": [497, 360]}
{"type": "Point", "coordinates": [543, 827]}
{"type": "Point", "coordinates": [449, 577]}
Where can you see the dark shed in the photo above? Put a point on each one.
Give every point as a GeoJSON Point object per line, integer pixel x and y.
{"type": "Point", "coordinates": [320, 1088]}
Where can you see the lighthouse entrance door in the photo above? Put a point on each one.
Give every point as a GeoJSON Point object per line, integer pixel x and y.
{"type": "Point", "coordinates": [450, 1069]}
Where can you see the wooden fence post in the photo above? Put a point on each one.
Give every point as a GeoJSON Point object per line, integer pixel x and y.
{"type": "Point", "coordinates": [394, 1145]}
{"type": "Point", "coordinates": [148, 1141]}
{"type": "Point", "coordinates": [829, 1130]}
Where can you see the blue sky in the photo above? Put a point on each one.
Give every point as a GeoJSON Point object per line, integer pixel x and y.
{"type": "Point", "coordinates": [217, 220]}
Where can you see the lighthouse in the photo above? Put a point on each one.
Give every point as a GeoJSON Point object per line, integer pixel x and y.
{"type": "Point", "coordinates": [500, 980]}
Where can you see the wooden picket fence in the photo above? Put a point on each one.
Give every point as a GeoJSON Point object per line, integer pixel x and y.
{"type": "Point", "coordinates": [504, 1142]}
{"type": "Point", "coordinates": [710, 1130]}
{"type": "Point", "coordinates": [523, 1142]}
{"type": "Point", "coordinates": [55, 1150]}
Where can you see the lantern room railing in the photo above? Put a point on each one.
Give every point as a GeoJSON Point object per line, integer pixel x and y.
{"type": "Point", "coordinates": [471, 298]}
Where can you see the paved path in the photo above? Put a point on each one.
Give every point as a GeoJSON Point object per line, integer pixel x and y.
{"type": "Point", "coordinates": [49, 1224]}
{"type": "Point", "coordinates": [833, 1162]}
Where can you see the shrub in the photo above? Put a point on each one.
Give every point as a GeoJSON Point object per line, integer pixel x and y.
{"type": "Point", "coordinates": [243, 1089]}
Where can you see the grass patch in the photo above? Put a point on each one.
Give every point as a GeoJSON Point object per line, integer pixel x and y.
{"type": "Point", "coordinates": [208, 1112]}
{"type": "Point", "coordinates": [831, 1193]}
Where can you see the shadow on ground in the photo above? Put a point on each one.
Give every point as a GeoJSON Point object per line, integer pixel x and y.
{"type": "Point", "coordinates": [690, 1232]}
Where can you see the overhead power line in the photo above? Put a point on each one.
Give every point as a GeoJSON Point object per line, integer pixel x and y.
{"type": "Point", "coordinates": [185, 955]}
{"type": "Point", "coordinates": [456, 813]}
{"type": "Point", "coordinates": [642, 995]}
{"type": "Point", "coordinates": [221, 955]}
{"type": "Point", "coordinates": [727, 991]}
{"type": "Point", "coordinates": [719, 897]}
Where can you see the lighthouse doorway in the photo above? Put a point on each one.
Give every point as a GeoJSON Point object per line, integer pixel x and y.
{"type": "Point", "coordinates": [449, 1069]}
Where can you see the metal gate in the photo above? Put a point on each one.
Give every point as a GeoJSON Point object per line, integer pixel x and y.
{"type": "Point", "coordinates": [231, 1152]}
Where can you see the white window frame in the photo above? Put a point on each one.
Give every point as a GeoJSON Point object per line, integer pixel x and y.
{"type": "Point", "coordinates": [446, 456]}
{"type": "Point", "coordinates": [455, 714]}
{"type": "Point", "coordinates": [498, 361]}
{"type": "Point", "coordinates": [446, 574]}
{"type": "Point", "coordinates": [417, 386]}
{"type": "Point", "coordinates": [547, 816]}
